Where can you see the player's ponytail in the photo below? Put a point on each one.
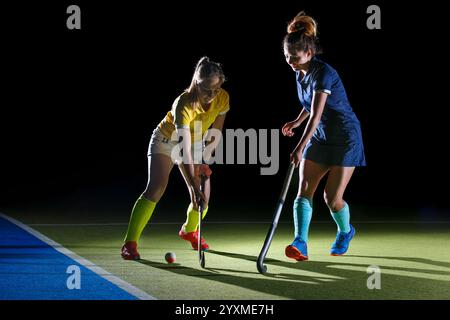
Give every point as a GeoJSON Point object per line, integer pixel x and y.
{"type": "Point", "coordinates": [205, 68]}
{"type": "Point", "coordinates": [302, 34]}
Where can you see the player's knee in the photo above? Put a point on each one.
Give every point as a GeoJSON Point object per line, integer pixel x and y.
{"type": "Point", "coordinates": [334, 203]}
{"type": "Point", "coordinates": [305, 191]}
{"type": "Point", "coordinates": [154, 193]}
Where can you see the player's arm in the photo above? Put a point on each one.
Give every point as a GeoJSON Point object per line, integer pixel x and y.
{"type": "Point", "coordinates": [287, 128]}
{"type": "Point", "coordinates": [220, 119]}
{"type": "Point", "coordinates": [184, 136]}
{"type": "Point", "coordinates": [317, 106]}
{"type": "Point", "coordinates": [182, 119]}
{"type": "Point", "coordinates": [218, 123]}
{"type": "Point", "coordinates": [214, 136]}
{"type": "Point", "coordinates": [301, 117]}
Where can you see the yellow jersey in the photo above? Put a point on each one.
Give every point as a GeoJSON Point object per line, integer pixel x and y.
{"type": "Point", "coordinates": [183, 115]}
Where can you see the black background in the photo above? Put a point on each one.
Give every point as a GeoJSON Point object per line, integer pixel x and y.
{"type": "Point", "coordinates": [79, 106]}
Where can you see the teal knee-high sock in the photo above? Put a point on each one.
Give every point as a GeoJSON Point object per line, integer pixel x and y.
{"type": "Point", "coordinates": [302, 217]}
{"type": "Point", "coordinates": [342, 218]}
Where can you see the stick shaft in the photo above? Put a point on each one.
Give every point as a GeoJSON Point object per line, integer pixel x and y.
{"type": "Point", "coordinates": [276, 217]}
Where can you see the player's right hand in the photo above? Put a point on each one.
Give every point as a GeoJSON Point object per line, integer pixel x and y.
{"type": "Point", "coordinates": [287, 129]}
{"type": "Point", "coordinates": [296, 156]}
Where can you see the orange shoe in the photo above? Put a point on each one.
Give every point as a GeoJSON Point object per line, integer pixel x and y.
{"type": "Point", "coordinates": [129, 251]}
{"type": "Point", "coordinates": [192, 237]}
{"type": "Point", "coordinates": [297, 250]}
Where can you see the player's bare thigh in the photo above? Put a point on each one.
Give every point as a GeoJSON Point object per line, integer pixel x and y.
{"type": "Point", "coordinates": [159, 168]}
{"type": "Point", "coordinates": [310, 173]}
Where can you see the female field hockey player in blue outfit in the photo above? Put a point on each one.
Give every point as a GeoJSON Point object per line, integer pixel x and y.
{"type": "Point", "coordinates": [331, 142]}
{"type": "Point", "coordinates": [203, 105]}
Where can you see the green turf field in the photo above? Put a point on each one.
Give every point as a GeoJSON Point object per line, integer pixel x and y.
{"type": "Point", "coordinates": [414, 260]}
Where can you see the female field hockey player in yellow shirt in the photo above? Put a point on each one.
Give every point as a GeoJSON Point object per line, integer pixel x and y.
{"type": "Point", "coordinates": [203, 105]}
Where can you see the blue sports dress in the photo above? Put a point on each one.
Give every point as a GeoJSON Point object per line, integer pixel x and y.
{"type": "Point", "coordinates": [337, 139]}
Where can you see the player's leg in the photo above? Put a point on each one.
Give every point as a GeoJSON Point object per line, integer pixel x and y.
{"type": "Point", "coordinates": [310, 174]}
{"type": "Point", "coordinates": [191, 223]}
{"type": "Point", "coordinates": [159, 167]}
{"type": "Point", "coordinates": [188, 230]}
{"type": "Point", "coordinates": [337, 182]}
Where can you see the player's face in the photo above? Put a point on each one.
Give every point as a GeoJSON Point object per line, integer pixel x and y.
{"type": "Point", "coordinates": [208, 89]}
{"type": "Point", "coordinates": [297, 59]}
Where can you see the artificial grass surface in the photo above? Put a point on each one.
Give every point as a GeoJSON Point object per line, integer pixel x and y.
{"type": "Point", "coordinates": [414, 260]}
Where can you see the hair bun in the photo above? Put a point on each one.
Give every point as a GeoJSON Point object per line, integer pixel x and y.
{"type": "Point", "coordinates": [303, 23]}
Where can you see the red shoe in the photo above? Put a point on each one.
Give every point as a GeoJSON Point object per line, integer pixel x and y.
{"type": "Point", "coordinates": [192, 237]}
{"type": "Point", "coordinates": [294, 253]}
{"type": "Point", "coordinates": [129, 251]}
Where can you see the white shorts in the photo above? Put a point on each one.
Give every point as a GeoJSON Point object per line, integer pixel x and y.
{"type": "Point", "coordinates": [159, 143]}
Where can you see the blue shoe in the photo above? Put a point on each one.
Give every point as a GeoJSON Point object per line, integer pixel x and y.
{"type": "Point", "coordinates": [340, 245]}
{"type": "Point", "coordinates": [298, 250]}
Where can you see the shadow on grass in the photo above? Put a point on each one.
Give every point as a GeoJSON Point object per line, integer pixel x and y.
{"type": "Point", "coordinates": [317, 280]}
{"type": "Point", "coordinates": [436, 263]}
{"type": "Point", "coordinates": [305, 265]}
{"type": "Point", "coordinates": [179, 269]}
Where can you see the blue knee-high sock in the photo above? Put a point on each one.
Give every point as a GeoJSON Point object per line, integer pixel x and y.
{"type": "Point", "coordinates": [342, 218]}
{"type": "Point", "coordinates": [302, 217]}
